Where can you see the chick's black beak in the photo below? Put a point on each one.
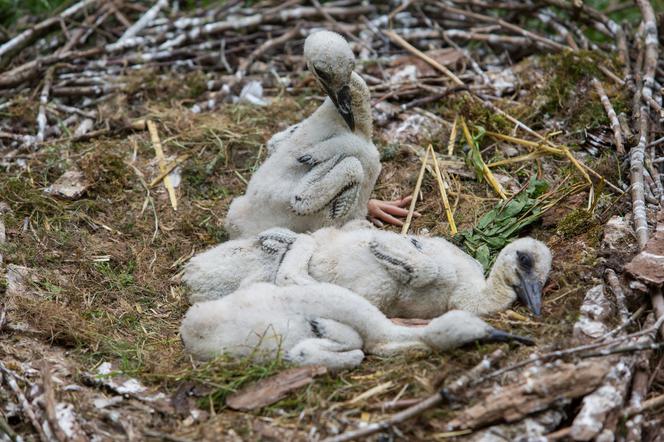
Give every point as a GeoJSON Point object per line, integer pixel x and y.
{"type": "Point", "coordinates": [529, 292]}
{"type": "Point", "coordinates": [342, 100]}
{"type": "Point", "coordinates": [496, 335]}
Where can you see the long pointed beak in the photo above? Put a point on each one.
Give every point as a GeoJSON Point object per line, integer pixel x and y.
{"type": "Point", "coordinates": [342, 100]}
{"type": "Point", "coordinates": [529, 292]}
{"type": "Point", "coordinates": [496, 335]}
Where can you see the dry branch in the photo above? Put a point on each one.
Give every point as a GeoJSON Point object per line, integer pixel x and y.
{"type": "Point", "coordinates": [144, 21]}
{"type": "Point", "coordinates": [29, 412]}
{"type": "Point", "coordinates": [611, 114]}
{"type": "Point", "coordinates": [265, 47]}
{"type": "Point", "coordinates": [50, 403]}
{"type": "Point", "coordinates": [25, 38]}
{"type": "Point", "coordinates": [565, 381]}
{"type": "Point", "coordinates": [448, 391]}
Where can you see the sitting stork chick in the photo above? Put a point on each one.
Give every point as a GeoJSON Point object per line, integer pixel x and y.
{"type": "Point", "coordinates": [321, 171]}
{"type": "Point", "coordinates": [318, 324]}
{"type": "Point", "coordinates": [407, 277]}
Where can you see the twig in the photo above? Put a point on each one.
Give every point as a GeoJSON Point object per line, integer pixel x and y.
{"type": "Point", "coordinates": [26, 37]}
{"type": "Point", "coordinates": [424, 405]}
{"type": "Point", "coordinates": [443, 192]}
{"type": "Point", "coordinates": [626, 349]}
{"type": "Point", "coordinates": [581, 167]}
{"type": "Point", "coordinates": [10, 379]}
{"type": "Point", "coordinates": [144, 21]}
{"type": "Point", "coordinates": [637, 314]}
{"type": "Point", "coordinates": [50, 403]}
{"type": "Point", "coordinates": [416, 193]}
{"type": "Point", "coordinates": [611, 114]}
{"type": "Point", "coordinates": [168, 169]}
{"type": "Point", "coordinates": [266, 46]}
{"type": "Point", "coordinates": [148, 199]}
{"type": "Point", "coordinates": [156, 143]}
{"type": "Point", "coordinates": [650, 403]}
{"type": "Point", "coordinates": [651, 41]}
{"type": "Point", "coordinates": [488, 19]}
{"type": "Point", "coordinates": [43, 101]}
{"type": "Point", "coordinates": [488, 175]}
{"type": "Point", "coordinates": [617, 290]}
{"type": "Point", "coordinates": [570, 351]}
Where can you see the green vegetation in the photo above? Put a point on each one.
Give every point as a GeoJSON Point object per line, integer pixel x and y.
{"type": "Point", "coordinates": [13, 10]}
{"type": "Point", "coordinates": [501, 225]}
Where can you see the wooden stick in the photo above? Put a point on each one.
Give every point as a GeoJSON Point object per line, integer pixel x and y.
{"type": "Point", "coordinates": [50, 403]}
{"type": "Point", "coordinates": [443, 191]}
{"type": "Point", "coordinates": [43, 101]}
{"type": "Point", "coordinates": [502, 23]}
{"type": "Point", "coordinates": [416, 192]}
{"type": "Point", "coordinates": [156, 143]}
{"type": "Point", "coordinates": [611, 114]}
{"type": "Point", "coordinates": [168, 169]}
{"type": "Point", "coordinates": [26, 37]}
{"type": "Point", "coordinates": [266, 46]}
{"type": "Point", "coordinates": [650, 403]}
{"type": "Point", "coordinates": [10, 379]}
{"type": "Point", "coordinates": [398, 40]}
{"type": "Point", "coordinates": [581, 167]}
{"type": "Point", "coordinates": [144, 21]}
{"type": "Point", "coordinates": [430, 402]}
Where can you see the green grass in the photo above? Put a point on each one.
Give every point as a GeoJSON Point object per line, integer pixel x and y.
{"type": "Point", "coordinates": [13, 10]}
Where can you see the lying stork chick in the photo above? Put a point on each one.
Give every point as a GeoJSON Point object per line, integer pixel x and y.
{"type": "Point", "coordinates": [243, 262]}
{"type": "Point", "coordinates": [318, 324]}
{"type": "Point", "coordinates": [321, 171]}
{"type": "Point", "coordinates": [407, 277]}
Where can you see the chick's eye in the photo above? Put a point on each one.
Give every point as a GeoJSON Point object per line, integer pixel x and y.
{"type": "Point", "coordinates": [322, 74]}
{"type": "Point", "coordinates": [525, 261]}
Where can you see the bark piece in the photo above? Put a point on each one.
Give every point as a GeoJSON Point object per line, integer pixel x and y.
{"type": "Point", "coordinates": [273, 389]}
{"type": "Point", "coordinates": [529, 429]}
{"type": "Point", "coordinates": [648, 266]}
{"type": "Point", "coordinates": [597, 405]}
{"type": "Point", "coordinates": [512, 403]}
{"type": "Point", "coordinates": [596, 308]}
{"type": "Point", "coordinates": [110, 377]}
{"type": "Point", "coordinates": [71, 185]}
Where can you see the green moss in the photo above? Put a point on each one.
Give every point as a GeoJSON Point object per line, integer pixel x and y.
{"type": "Point", "coordinates": [475, 113]}
{"type": "Point", "coordinates": [388, 152]}
{"type": "Point", "coordinates": [568, 70]}
{"type": "Point", "coordinates": [574, 223]}
{"type": "Point", "coordinates": [225, 375]}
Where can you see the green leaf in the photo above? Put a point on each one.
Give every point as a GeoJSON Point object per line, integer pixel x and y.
{"type": "Point", "coordinates": [483, 256]}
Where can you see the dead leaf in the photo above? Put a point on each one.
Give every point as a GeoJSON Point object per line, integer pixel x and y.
{"type": "Point", "coordinates": [71, 185]}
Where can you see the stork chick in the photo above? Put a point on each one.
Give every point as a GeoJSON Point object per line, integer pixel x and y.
{"type": "Point", "coordinates": [321, 171]}
{"type": "Point", "coordinates": [318, 324]}
{"type": "Point", "coordinates": [408, 277]}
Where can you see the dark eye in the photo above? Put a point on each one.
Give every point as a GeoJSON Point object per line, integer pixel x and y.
{"type": "Point", "coordinates": [322, 74]}
{"type": "Point", "coordinates": [525, 260]}
{"type": "Point", "coordinates": [416, 243]}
